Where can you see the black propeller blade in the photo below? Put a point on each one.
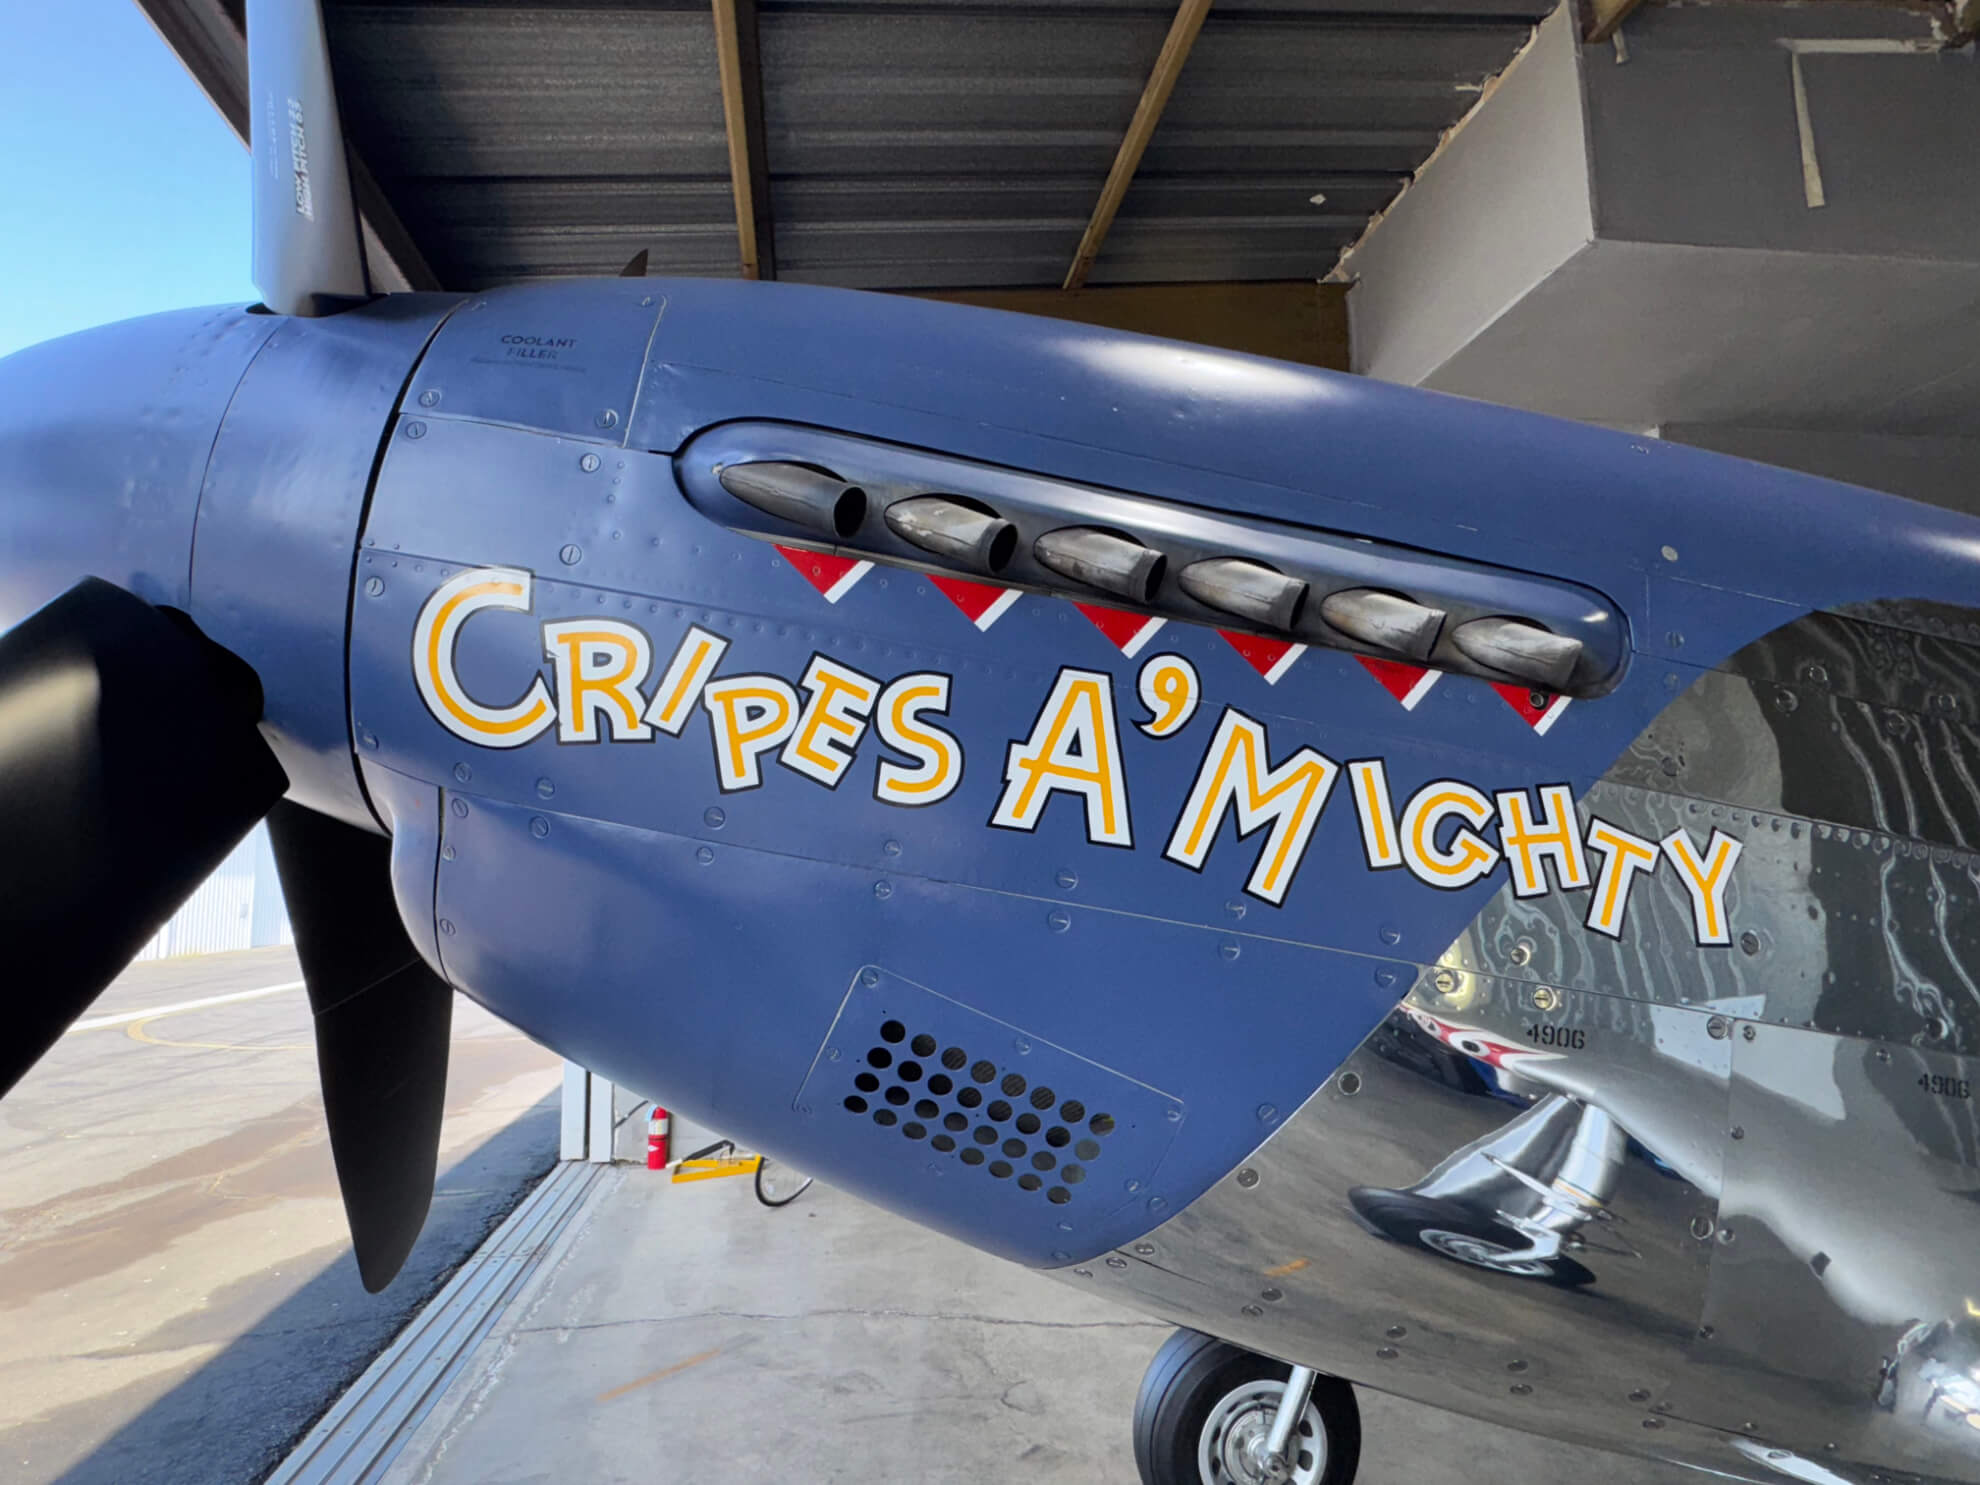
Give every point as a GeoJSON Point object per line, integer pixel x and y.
{"type": "Point", "coordinates": [130, 765]}
{"type": "Point", "coordinates": [383, 1020]}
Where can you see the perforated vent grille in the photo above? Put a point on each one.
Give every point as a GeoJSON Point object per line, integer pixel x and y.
{"type": "Point", "coordinates": [985, 1116]}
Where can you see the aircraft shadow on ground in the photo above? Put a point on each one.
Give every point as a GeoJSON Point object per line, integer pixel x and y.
{"type": "Point", "coordinates": [238, 1416]}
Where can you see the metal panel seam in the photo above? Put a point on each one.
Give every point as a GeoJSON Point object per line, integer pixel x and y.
{"type": "Point", "coordinates": [357, 547]}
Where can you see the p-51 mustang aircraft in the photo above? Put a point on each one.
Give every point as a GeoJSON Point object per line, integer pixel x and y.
{"type": "Point", "coordinates": [1418, 894]}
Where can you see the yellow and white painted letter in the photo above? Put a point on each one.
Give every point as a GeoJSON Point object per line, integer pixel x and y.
{"type": "Point", "coordinates": [1236, 775]}
{"type": "Point", "coordinates": [834, 720]}
{"type": "Point", "coordinates": [1530, 842]}
{"type": "Point", "coordinates": [937, 755]}
{"type": "Point", "coordinates": [600, 665]}
{"type": "Point", "coordinates": [1623, 856]}
{"type": "Point", "coordinates": [1168, 687]}
{"type": "Point", "coordinates": [435, 635]}
{"type": "Point", "coordinates": [748, 715]}
{"type": "Point", "coordinates": [1369, 779]}
{"type": "Point", "coordinates": [1705, 879]}
{"type": "Point", "coordinates": [694, 662]}
{"type": "Point", "coordinates": [1074, 747]}
{"type": "Point", "coordinates": [1467, 856]}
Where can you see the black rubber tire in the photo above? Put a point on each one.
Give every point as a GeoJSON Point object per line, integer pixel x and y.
{"type": "Point", "coordinates": [1190, 1375]}
{"type": "Point", "coordinates": [1402, 1216]}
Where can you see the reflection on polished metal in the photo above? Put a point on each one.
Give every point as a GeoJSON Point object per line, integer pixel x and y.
{"type": "Point", "coordinates": [1846, 1309]}
{"type": "Point", "coordinates": [1786, 1464]}
{"type": "Point", "coordinates": [1727, 1197]}
{"type": "Point", "coordinates": [1837, 752]}
{"type": "Point", "coordinates": [1553, 1226]}
{"type": "Point", "coordinates": [1507, 1202]}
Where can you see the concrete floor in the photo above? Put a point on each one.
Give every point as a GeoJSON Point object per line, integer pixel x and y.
{"type": "Point", "coordinates": [177, 1297]}
{"type": "Point", "coordinates": [685, 1333]}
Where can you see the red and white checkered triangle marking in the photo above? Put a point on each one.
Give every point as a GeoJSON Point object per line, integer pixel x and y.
{"type": "Point", "coordinates": [1408, 683]}
{"type": "Point", "coordinates": [1128, 631]}
{"type": "Point", "coordinates": [1271, 658]}
{"type": "Point", "coordinates": [832, 576]}
{"type": "Point", "coordinates": [1540, 709]}
{"type": "Point", "coordinates": [983, 604]}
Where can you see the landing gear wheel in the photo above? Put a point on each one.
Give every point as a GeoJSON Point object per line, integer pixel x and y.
{"type": "Point", "coordinates": [1455, 1232]}
{"type": "Point", "coordinates": [1205, 1410]}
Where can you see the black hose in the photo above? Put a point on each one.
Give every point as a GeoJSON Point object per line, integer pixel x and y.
{"type": "Point", "coordinates": [781, 1201]}
{"type": "Point", "coordinates": [708, 1152]}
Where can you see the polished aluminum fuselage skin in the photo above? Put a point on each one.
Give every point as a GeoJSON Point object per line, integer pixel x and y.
{"type": "Point", "coordinates": [1786, 1248]}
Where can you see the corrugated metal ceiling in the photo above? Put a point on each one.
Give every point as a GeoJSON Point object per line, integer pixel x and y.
{"type": "Point", "coordinates": [910, 143]}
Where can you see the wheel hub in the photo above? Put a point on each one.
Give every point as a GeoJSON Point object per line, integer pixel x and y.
{"type": "Point", "coordinates": [1231, 1450]}
{"type": "Point", "coordinates": [1481, 1253]}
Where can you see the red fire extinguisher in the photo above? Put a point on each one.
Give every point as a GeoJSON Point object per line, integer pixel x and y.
{"type": "Point", "coordinates": [656, 1139]}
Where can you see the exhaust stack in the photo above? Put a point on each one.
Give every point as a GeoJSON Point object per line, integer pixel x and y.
{"type": "Point", "coordinates": [949, 528]}
{"type": "Point", "coordinates": [1102, 559]}
{"type": "Point", "coordinates": [799, 494]}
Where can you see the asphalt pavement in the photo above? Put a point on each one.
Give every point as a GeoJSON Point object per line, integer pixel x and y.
{"type": "Point", "coordinates": [178, 1300]}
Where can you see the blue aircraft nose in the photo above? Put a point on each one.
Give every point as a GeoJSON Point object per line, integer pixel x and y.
{"type": "Point", "coordinates": [104, 441]}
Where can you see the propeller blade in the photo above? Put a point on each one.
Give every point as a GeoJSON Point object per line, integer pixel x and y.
{"type": "Point", "coordinates": [635, 265]}
{"type": "Point", "coordinates": [130, 765]}
{"type": "Point", "coordinates": [308, 249]}
{"type": "Point", "coordinates": [383, 1023]}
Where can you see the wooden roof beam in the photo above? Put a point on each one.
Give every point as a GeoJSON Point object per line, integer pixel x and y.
{"type": "Point", "coordinates": [741, 65]}
{"type": "Point", "coordinates": [1141, 128]}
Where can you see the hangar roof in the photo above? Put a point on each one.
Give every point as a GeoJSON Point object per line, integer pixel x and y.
{"type": "Point", "coordinates": [900, 144]}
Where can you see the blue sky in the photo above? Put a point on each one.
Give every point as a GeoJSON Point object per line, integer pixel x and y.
{"type": "Point", "coordinates": [121, 190]}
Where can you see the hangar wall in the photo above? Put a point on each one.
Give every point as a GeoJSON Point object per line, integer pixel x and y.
{"type": "Point", "coordinates": [239, 906]}
{"type": "Point", "coordinates": [1753, 227]}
